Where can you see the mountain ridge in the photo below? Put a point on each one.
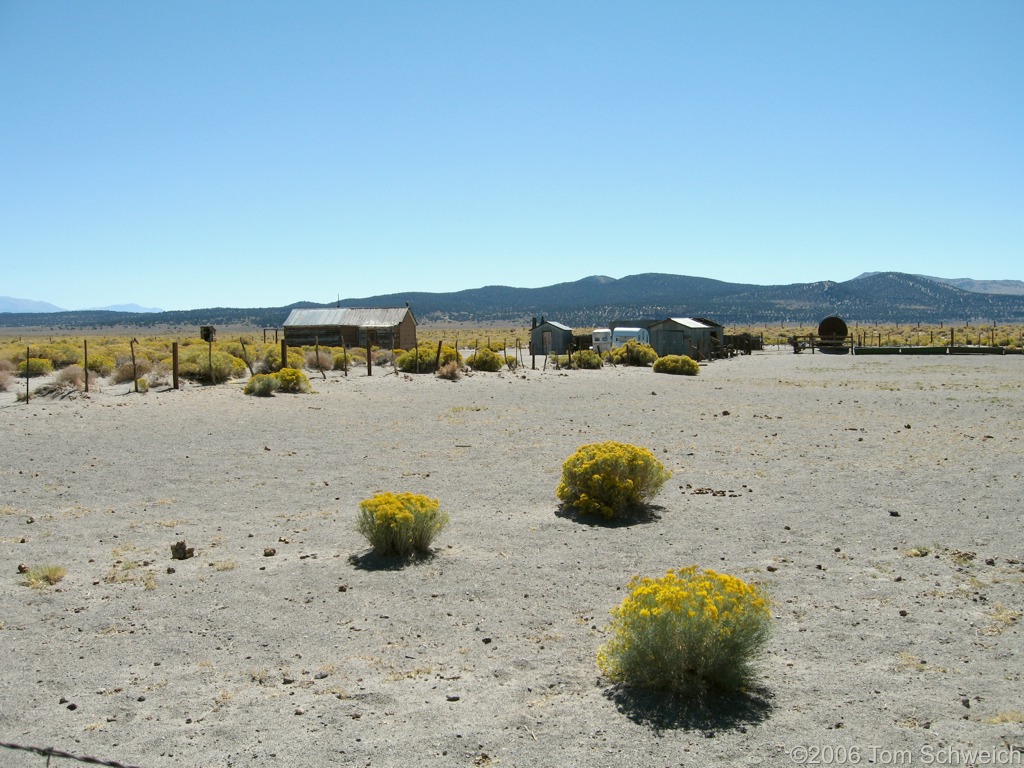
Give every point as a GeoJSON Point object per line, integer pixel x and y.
{"type": "Point", "coordinates": [597, 300]}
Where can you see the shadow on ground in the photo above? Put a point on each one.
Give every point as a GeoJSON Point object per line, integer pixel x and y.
{"type": "Point", "coordinates": [371, 561]}
{"type": "Point", "coordinates": [648, 513]}
{"type": "Point", "coordinates": [662, 711]}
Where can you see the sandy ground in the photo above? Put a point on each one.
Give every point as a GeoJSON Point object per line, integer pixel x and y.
{"type": "Point", "coordinates": [818, 476]}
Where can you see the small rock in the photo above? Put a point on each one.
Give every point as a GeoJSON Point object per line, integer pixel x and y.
{"type": "Point", "coordinates": [343, 587]}
{"type": "Point", "coordinates": [22, 568]}
{"type": "Point", "coordinates": [893, 513]}
{"type": "Point", "coordinates": [904, 612]}
{"type": "Point", "coordinates": [269, 552]}
{"type": "Point", "coordinates": [170, 569]}
{"type": "Point", "coordinates": [772, 568]}
{"type": "Point", "coordinates": [451, 697]}
{"type": "Point", "coordinates": [179, 551]}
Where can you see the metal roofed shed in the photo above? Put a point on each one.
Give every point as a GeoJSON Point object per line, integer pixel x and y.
{"type": "Point", "coordinates": [384, 327]}
{"type": "Point", "coordinates": [550, 337]}
{"type": "Point", "coordinates": [681, 336]}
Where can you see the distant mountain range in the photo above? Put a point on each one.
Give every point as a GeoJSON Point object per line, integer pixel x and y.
{"type": "Point", "coordinates": [8, 304]}
{"type": "Point", "coordinates": [597, 300]}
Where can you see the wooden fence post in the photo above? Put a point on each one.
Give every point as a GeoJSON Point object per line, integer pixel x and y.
{"type": "Point", "coordinates": [135, 368]}
{"type": "Point", "coordinates": [284, 354]}
{"type": "Point", "coordinates": [174, 364]}
{"type": "Point", "coordinates": [85, 362]}
{"type": "Point", "coordinates": [28, 371]}
{"type": "Point", "coordinates": [369, 356]}
{"type": "Point", "coordinates": [316, 340]}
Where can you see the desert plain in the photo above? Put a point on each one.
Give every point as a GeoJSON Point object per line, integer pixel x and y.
{"type": "Point", "coordinates": [876, 499]}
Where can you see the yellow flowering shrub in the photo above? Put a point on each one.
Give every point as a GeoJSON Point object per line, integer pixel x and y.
{"type": "Point", "coordinates": [633, 353]}
{"type": "Point", "coordinates": [262, 385]}
{"type": "Point", "coordinates": [293, 380]}
{"type": "Point", "coordinates": [484, 360]}
{"type": "Point", "coordinates": [610, 479]}
{"type": "Point", "coordinates": [400, 523]}
{"type": "Point", "coordinates": [692, 631]}
{"type": "Point", "coordinates": [677, 364]}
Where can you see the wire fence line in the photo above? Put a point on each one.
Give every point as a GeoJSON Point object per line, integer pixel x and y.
{"type": "Point", "coordinates": [49, 752]}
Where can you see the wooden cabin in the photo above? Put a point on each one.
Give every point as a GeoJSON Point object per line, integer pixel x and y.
{"type": "Point", "coordinates": [384, 327]}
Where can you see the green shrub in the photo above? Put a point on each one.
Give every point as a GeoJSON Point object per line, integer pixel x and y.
{"type": "Point", "coordinates": [426, 355]}
{"type": "Point", "coordinates": [293, 380]}
{"type": "Point", "coordinates": [101, 365]}
{"type": "Point", "coordinates": [400, 523]}
{"type": "Point", "coordinates": [271, 360]}
{"type": "Point", "coordinates": [61, 354]}
{"type": "Point", "coordinates": [511, 362]}
{"type": "Point", "coordinates": [585, 359]}
{"type": "Point", "coordinates": [194, 363]}
{"type": "Point", "coordinates": [692, 632]}
{"type": "Point", "coordinates": [610, 479]}
{"type": "Point", "coordinates": [484, 360]}
{"type": "Point", "coordinates": [262, 385]}
{"type": "Point", "coordinates": [677, 364]}
{"type": "Point", "coordinates": [633, 353]}
{"type": "Point", "coordinates": [36, 366]}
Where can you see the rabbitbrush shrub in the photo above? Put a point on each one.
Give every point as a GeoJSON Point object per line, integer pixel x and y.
{"type": "Point", "coordinates": [35, 366]}
{"type": "Point", "coordinates": [423, 358]}
{"type": "Point", "coordinates": [585, 359]}
{"type": "Point", "coordinates": [400, 523]}
{"type": "Point", "coordinates": [484, 360]}
{"type": "Point", "coordinates": [293, 380]}
{"type": "Point", "coordinates": [692, 632]}
{"type": "Point", "coordinates": [677, 364]}
{"type": "Point", "coordinates": [610, 479]}
{"type": "Point", "coordinates": [262, 385]}
{"type": "Point", "coordinates": [633, 353]}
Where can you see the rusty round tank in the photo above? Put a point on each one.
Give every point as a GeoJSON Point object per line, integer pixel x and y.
{"type": "Point", "coordinates": [832, 333]}
{"type": "Point", "coordinates": [833, 327]}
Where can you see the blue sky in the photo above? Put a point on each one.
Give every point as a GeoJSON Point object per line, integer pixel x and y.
{"type": "Point", "coordinates": [188, 154]}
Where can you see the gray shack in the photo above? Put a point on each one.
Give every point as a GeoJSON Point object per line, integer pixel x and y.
{"type": "Point", "coordinates": [384, 327]}
{"type": "Point", "coordinates": [549, 337]}
{"type": "Point", "coordinates": [681, 336]}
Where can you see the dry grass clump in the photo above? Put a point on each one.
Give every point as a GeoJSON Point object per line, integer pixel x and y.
{"type": "Point", "coordinates": [450, 371]}
{"type": "Point", "coordinates": [42, 576]}
{"type": "Point", "coordinates": [5, 380]}
{"type": "Point", "coordinates": [319, 361]}
{"type": "Point", "coordinates": [72, 377]}
{"type": "Point", "coordinates": [125, 372]}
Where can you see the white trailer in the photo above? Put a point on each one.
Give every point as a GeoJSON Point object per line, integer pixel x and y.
{"type": "Point", "coordinates": [621, 335]}
{"type": "Point", "coordinates": [601, 340]}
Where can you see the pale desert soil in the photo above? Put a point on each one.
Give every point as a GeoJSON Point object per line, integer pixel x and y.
{"type": "Point", "coordinates": [814, 475]}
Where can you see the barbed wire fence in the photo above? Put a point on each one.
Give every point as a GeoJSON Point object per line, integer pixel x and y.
{"type": "Point", "coordinates": [50, 752]}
